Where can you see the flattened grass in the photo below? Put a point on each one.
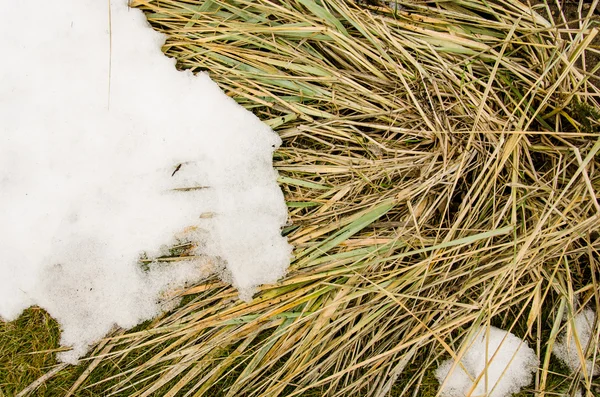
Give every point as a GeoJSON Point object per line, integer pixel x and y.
{"type": "Point", "coordinates": [440, 163]}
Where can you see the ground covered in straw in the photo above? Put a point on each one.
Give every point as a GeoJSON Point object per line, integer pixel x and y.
{"type": "Point", "coordinates": [440, 164]}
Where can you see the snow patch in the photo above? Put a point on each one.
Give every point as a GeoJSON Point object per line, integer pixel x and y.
{"type": "Point", "coordinates": [106, 153]}
{"type": "Point", "coordinates": [566, 347]}
{"type": "Point", "coordinates": [510, 366]}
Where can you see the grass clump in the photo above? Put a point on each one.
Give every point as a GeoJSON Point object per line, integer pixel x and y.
{"type": "Point", "coordinates": [440, 163]}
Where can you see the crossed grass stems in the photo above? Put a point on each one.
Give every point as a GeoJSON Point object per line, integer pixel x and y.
{"type": "Point", "coordinates": [440, 164]}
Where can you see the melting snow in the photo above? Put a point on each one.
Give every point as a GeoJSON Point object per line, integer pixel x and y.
{"type": "Point", "coordinates": [566, 348]}
{"type": "Point", "coordinates": [108, 152]}
{"type": "Point", "coordinates": [510, 366]}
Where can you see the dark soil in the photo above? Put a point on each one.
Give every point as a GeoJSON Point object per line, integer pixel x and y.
{"type": "Point", "coordinates": [569, 10]}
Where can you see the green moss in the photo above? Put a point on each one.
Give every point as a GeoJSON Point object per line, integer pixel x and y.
{"type": "Point", "coordinates": [588, 116]}
{"type": "Point", "coordinates": [20, 341]}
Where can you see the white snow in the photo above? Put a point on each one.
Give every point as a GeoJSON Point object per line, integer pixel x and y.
{"type": "Point", "coordinates": [566, 347]}
{"type": "Point", "coordinates": [495, 364]}
{"type": "Point", "coordinates": [94, 122]}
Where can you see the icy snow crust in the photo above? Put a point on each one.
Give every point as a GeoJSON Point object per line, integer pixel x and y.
{"type": "Point", "coordinates": [566, 348]}
{"type": "Point", "coordinates": [87, 178]}
{"type": "Point", "coordinates": [510, 366]}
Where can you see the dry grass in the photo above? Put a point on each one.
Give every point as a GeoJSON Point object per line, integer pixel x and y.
{"type": "Point", "coordinates": [440, 162]}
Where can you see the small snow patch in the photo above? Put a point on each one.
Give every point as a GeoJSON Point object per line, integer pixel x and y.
{"type": "Point", "coordinates": [496, 364]}
{"type": "Point", "coordinates": [566, 348]}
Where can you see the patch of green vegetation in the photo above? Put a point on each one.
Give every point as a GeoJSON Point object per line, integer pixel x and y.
{"type": "Point", "coordinates": [587, 115]}
{"type": "Point", "coordinates": [27, 348]}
